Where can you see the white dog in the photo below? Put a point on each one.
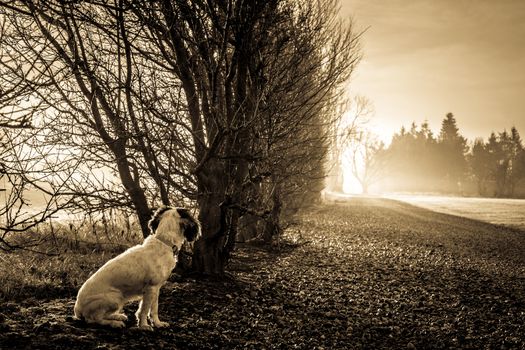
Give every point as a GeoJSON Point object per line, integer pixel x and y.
{"type": "Point", "coordinates": [138, 273]}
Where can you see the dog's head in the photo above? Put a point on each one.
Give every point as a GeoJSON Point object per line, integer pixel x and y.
{"type": "Point", "coordinates": [174, 225]}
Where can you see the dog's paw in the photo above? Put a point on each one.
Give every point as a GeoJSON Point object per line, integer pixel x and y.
{"type": "Point", "coordinates": [117, 317]}
{"type": "Point", "coordinates": [120, 317]}
{"type": "Point", "coordinates": [146, 327]}
{"type": "Point", "coordinates": [117, 324]}
{"type": "Point", "coordinates": [160, 324]}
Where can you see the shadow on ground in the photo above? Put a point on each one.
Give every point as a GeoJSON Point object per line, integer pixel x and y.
{"type": "Point", "coordinates": [366, 273]}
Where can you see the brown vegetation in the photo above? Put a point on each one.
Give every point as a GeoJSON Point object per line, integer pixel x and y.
{"type": "Point", "coordinates": [367, 273]}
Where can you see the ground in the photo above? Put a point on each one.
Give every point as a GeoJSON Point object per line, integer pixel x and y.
{"type": "Point", "coordinates": [365, 273]}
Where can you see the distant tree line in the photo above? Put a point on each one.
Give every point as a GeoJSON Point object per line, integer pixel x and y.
{"type": "Point", "coordinates": [500, 160]}
{"type": "Point", "coordinates": [418, 160]}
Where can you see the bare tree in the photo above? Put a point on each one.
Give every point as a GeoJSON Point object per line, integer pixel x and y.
{"type": "Point", "coordinates": [96, 101]}
{"type": "Point", "coordinates": [253, 74]}
{"type": "Point", "coordinates": [354, 115]}
{"type": "Point", "coordinates": [24, 170]}
{"type": "Point", "coordinates": [215, 103]}
{"type": "Point", "coordinates": [367, 159]}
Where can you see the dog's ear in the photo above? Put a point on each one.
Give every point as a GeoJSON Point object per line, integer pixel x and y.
{"type": "Point", "coordinates": [190, 227]}
{"type": "Point", "coordinates": [155, 219]}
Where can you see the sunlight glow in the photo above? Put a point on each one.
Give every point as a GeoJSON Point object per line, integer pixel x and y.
{"type": "Point", "coordinates": [383, 131]}
{"type": "Point", "coordinates": [351, 184]}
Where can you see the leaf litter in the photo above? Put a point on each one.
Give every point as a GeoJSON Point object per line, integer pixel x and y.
{"type": "Point", "coordinates": [364, 274]}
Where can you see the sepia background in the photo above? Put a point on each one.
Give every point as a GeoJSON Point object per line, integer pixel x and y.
{"type": "Point", "coordinates": [356, 167]}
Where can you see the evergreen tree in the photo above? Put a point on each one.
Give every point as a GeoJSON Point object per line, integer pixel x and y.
{"type": "Point", "coordinates": [516, 164]}
{"type": "Point", "coordinates": [480, 165]}
{"type": "Point", "coordinates": [493, 157]}
{"type": "Point", "coordinates": [453, 148]}
{"type": "Point", "coordinates": [502, 170]}
{"type": "Point", "coordinates": [411, 159]}
{"type": "Point", "coordinates": [505, 161]}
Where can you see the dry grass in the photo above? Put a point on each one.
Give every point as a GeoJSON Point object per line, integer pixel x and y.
{"type": "Point", "coordinates": [58, 259]}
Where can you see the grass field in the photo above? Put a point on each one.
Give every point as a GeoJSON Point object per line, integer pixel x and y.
{"type": "Point", "coordinates": [364, 273]}
{"type": "Point", "coordinates": [501, 211]}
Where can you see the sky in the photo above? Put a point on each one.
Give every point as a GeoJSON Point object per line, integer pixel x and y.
{"type": "Point", "coordinates": [425, 58]}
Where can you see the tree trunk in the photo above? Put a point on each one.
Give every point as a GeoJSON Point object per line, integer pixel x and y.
{"type": "Point", "coordinates": [272, 227]}
{"type": "Point", "coordinates": [481, 187]}
{"type": "Point", "coordinates": [248, 227]}
{"type": "Point", "coordinates": [335, 179]}
{"type": "Point", "coordinates": [208, 251]}
{"type": "Point", "coordinates": [219, 226]}
{"type": "Point", "coordinates": [135, 192]}
{"type": "Point", "coordinates": [207, 257]}
{"type": "Point", "coordinates": [219, 215]}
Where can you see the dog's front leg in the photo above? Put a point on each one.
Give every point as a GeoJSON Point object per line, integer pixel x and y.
{"type": "Point", "coordinates": [144, 308]}
{"type": "Point", "coordinates": [155, 311]}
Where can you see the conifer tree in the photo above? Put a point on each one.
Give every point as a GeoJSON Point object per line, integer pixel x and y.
{"type": "Point", "coordinates": [453, 148]}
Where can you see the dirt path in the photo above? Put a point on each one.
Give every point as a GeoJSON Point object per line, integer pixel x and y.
{"type": "Point", "coordinates": [368, 273]}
